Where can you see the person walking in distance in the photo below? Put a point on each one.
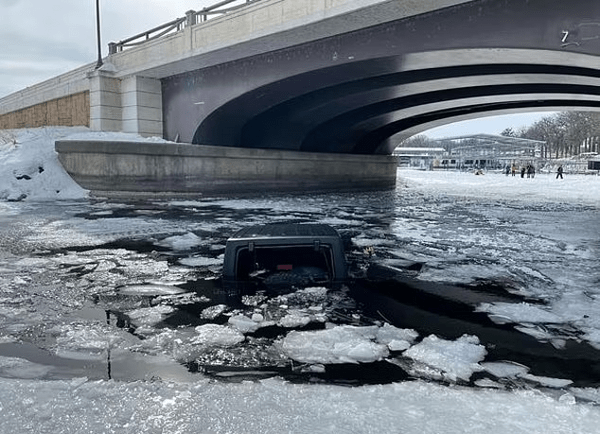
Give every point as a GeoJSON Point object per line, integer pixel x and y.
{"type": "Point", "coordinates": [559, 172]}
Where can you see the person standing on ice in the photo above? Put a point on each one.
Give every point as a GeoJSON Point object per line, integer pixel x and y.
{"type": "Point", "coordinates": [559, 172]}
{"type": "Point", "coordinates": [523, 172]}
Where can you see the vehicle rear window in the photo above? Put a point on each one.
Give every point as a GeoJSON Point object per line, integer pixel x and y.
{"type": "Point", "coordinates": [283, 259]}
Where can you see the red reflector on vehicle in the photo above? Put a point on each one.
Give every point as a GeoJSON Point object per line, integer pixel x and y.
{"type": "Point", "coordinates": [286, 267]}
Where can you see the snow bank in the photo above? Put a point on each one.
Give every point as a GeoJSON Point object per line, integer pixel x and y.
{"type": "Point", "coordinates": [30, 167]}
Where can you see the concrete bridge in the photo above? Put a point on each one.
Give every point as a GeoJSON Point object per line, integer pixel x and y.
{"type": "Point", "coordinates": [333, 76]}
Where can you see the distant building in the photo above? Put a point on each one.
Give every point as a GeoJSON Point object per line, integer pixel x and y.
{"type": "Point", "coordinates": [488, 151]}
{"type": "Point", "coordinates": [422, 158]}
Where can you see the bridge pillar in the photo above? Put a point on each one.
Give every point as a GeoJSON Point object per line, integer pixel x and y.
{"type": "Point", "coordinates": [131, 105]}
{"type": "Point", "coordinates": [141, 99]}
{"type": "Point", "coordinates": [105, 101]}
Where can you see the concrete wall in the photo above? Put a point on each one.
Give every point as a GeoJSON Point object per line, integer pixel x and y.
{"type": "Point", "coordinates": [71, 83]}
{"type": "Point", "coordinates": [69, 111]}
{"type": "Point", "coordinates": [148, 168]}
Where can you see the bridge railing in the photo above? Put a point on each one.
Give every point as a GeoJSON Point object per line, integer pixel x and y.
{"type": "Point", "coordinates": [191, 18]}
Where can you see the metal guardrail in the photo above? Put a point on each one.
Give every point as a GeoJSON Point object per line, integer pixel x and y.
{"type": "Point", "coordinates": [191, 18]}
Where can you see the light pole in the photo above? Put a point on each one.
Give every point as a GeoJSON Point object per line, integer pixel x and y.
{"type": "Point", "coordinates": [99, 63]}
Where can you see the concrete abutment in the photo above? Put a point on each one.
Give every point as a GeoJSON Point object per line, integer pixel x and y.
{"type": "Point", "coordinates": [135, 169]}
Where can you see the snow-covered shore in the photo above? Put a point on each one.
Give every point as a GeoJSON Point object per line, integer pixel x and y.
{"type": "Point", "coordinates": [29, 403]}
{"type": "Point", "coordinates": [276, 407]}
{"type": "Point", "coordinates": [30, 167]}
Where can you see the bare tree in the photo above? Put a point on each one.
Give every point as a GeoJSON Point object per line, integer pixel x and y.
{"type": "Point", "coordinates": [509, 132]}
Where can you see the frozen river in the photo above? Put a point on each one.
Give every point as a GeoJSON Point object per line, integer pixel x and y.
{"type": "Point", "coordinates": [467, 294]}
{"type": "Point", "coordinates": [105, 290]}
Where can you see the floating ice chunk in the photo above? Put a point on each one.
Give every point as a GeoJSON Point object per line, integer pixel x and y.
{"type": "Point", "coordinates": [591, 394]}
{"type": "Point", "coordinates": [398, 345]}
{"type": "Point", "coordinates": [455, 359]}
{"type": "Point", "coordinates": [89, 341]}
{"type": "Point", "coordinates": [19, 281]}
{"type": "Point", "coordinates": [314, 291]}
{"type": "Point", "coordinates": [294, 319]}
{"type": "Point", "coordinates": [200, 261]}
{"type": "Point", "coordinates": [556, 383]}
{"type": "Point", "coordinates": [214, 334]}
{"type": "Point", "coordinates": [213, 312]}
{"type": "Point", "coordinates": [181, 242]}
{"type": "Point", "coordinates": [487, 383]}
{"type": "Point", "coordinates": [150, 315]}
{"type": "Point", "coordinates": [505, 369]}
{"type": "Point", "coordinates": [34, 264]}
{"type": "Point", "coordinates": [341, 344]}
{"type": "Point", "coordinates": [541, 335]}
{"type": "Point", "coordinates": [396, 339]}
{"type": "Point", "coordinates": [150, 290]}
{"type": "Point", "coordinates": [13, 367]}
{"type": "Point", "coordinates": [248, 325]}
{"type": "Point", "coordinates": [520, 312]}
{"type": "Point", "coordinates": [592, 335]}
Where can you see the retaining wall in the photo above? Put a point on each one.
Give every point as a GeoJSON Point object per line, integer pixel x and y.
{"type": "Point", "coordinates": [147, 168]}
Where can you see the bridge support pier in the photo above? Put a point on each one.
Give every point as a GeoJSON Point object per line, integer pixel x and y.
{"type": "Point", "coordinates": [105, 101]}
{"type": "Point", "coordinates": [137, 169]}
{"type": "Point", "coordinates": [131, 105]}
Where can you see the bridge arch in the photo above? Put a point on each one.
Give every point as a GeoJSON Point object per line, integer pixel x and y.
{"type": "Point", "coordinates": [366, 107]}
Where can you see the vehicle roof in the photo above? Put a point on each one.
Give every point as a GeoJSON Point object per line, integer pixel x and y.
{"type": "Point", "coordinates": [286, 230]}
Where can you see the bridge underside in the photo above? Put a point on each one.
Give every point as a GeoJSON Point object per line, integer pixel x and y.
{"type": "Point", "coordinates": [363, 91]}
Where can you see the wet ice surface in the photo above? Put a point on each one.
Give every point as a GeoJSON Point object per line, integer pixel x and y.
{"type": "Point", "coordinates": [130, 292]}
{"type": "Point", "coordinates": [104, 282]}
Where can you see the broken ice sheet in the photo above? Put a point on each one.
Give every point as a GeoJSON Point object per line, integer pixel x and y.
{"type": "Point", "coordinates": [89, 340]}
{"type": "Point", "coordinates": [217, 335]}
{"type": "Point", "coordinates": [455, 360]}
{"type": "Point", "coordinates": [339, 344]}
{"type": "Point", "coordinates": [181, 242]}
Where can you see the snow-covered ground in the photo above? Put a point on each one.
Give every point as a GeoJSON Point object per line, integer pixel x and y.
{"type": "Point", "coordinates": [69, 299]}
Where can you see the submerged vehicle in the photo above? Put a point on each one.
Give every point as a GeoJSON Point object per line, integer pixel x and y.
{"type": "Point", "coordinates": [286, 254]}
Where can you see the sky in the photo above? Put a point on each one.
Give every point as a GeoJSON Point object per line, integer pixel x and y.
{"type": "Point", "coordinates": [487, 125]}
{"type": "Point", "coordinates": [43, 39]}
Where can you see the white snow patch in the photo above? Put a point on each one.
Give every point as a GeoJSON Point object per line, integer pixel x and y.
{"type": "Point", "coordinates": [544, 188]}
{"type": "Point", "coordinates": [30, 165]}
